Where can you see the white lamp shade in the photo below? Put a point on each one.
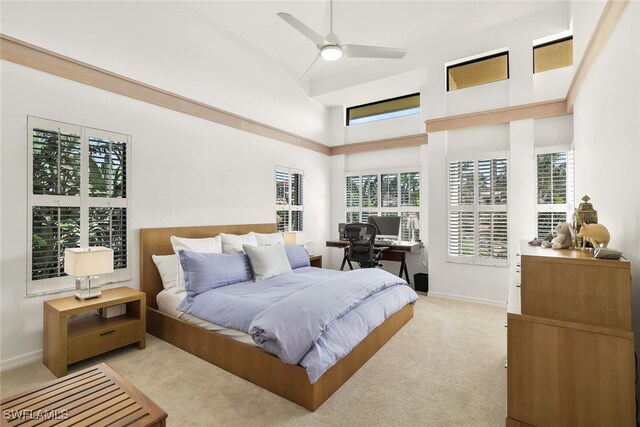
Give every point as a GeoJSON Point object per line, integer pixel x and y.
{"type": "Point", "coordinates": [414, 223]}
{"type": "Point", "coordinates": [294, 238]}
{"type": "Point", "coordinates": [80, 262]}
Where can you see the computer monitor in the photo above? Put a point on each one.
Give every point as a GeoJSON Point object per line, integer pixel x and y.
{"type": "Point", "coordinates": [388, 227]}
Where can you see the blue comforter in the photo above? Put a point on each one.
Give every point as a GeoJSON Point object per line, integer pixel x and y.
{"type": "Point", "coordinates": [313, 317]}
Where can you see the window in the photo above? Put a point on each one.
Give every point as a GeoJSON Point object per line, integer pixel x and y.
{"type": "Point", "coordinates": [474, 72]}
{"type": "Point", "coordinates": [79, 180]}
{"type": "Point", "coordinates": [385, 194]}
{"type": "Point", "coordinates": [477, 210]}
{"type": "Point", "coordinates": [289, 199]}
{"type": "Point", "coordinates": [386, 109]}
{"type": "Point", "coordinates": [553, 54]}
{"type": "Point", "coordinates": [554, 178]}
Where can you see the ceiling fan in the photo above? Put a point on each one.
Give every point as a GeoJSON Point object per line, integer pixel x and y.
{"type": "Point", "coordinates": [331, 49]}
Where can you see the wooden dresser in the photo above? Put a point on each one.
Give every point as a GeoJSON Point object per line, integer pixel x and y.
{"type": "Point", "coordinates": [570, 351]}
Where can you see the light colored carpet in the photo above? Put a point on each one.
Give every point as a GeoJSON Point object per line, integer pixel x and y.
{"type": "Point", "coordinates": [444, 368]}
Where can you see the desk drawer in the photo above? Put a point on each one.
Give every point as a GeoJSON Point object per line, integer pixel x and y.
{"type": "Point", "coordinates": [92, 344]}
{"type": "Point", "coordinates": [393, 256]}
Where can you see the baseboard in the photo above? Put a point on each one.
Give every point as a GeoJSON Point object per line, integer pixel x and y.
{"type": "Point", "coordinates": [24, 359]}
{"type": "Point", "coordinates": [471, 299]}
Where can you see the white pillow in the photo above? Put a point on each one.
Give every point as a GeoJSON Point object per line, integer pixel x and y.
{"type": "Point", "coordinates": [233, 242]}
{"type": "Point", "coordinates": [269, 239]}
{"type": "Point", "coordinates": [166, 265]}
{"type": "Point", "coordinates": [206, 245]}
{"type": "Point", "coordinates": [267, 261]}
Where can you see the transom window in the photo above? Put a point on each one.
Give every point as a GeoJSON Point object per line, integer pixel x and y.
{"type": "Point", "coordinates": [386, 109]}
{"type": "Point", "coordinates": [477, 209]}
{"type": "Point", "coordinates": [79, 186]}
{"type": "Point", "coordinates": [478, 71]}
{"type": "Point", "coordinates": [554, 54]}
{"type": "Point", "coordinates": [289, 199]}
{"type": "Point", "coordinates": [384, 194]}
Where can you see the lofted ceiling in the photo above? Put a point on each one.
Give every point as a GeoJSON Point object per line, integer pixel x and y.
{"type": "Point", "coordinates": [161, 42]}
{"type": "Point", "coordinates": [411, 25]}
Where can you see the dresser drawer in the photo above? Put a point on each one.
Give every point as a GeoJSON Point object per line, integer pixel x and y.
{"type": "Point", "coordinates": [97, 342]}
{"type": "Point", "coordinates": [577, 291]}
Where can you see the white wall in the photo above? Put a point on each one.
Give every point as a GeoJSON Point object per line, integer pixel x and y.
{"type": "Point", "coordinates": [607, 136]}
{"type": "Point", "coordinates": [186, 171]}
{"type": "Point", "coordinates": [585, 16]}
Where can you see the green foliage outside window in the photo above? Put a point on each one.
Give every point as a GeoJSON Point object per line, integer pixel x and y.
{"type": "Point", "coordinates": [57, 171]}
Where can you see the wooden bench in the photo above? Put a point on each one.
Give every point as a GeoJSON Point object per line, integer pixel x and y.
{"type": "Point", "coordinates": [95, 396]}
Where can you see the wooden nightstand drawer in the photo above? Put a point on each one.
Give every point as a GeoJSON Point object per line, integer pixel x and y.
{"type": "Point", "coordinates": [118, 334]}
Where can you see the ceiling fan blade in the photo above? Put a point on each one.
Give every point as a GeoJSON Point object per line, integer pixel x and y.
{"type": "Point", "coordinates": [316, 38]}
{"type": "Point", "coordinates": [312, 64]}
{"type": "Point", "coordinates": [361, 51]}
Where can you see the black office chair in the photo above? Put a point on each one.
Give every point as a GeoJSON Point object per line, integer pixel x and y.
{"type": "Point", "coordinates": [362, 247]}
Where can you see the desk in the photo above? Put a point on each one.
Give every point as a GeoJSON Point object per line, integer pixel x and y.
{"type": "Point", "coordinates": [397, 252]}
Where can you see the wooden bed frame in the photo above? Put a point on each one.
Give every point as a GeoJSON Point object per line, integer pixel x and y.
{"type": "Point", "coordinates": [245, 361]}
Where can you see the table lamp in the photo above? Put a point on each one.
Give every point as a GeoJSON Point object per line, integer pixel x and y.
{"type": "Point", "coordinates": [294, 238]}
{"type": "Point", "coordinates": [413, 224]}
{"type": "Point", "coordinates": [85, 264]}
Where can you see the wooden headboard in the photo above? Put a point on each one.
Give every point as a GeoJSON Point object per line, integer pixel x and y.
{"type": "Point", "coordinates": [155, 241]}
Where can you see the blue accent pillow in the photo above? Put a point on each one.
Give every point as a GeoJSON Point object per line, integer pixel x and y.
{"type": "Point", "coordinates": [298, 256]}
{"type": "Point", "coordinates": [206, 271]}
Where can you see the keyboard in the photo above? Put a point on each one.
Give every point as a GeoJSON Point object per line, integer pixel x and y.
{"type": "Point", "coordinates": [384, 242]}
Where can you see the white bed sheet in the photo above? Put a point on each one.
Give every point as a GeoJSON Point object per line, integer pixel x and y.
{"type": "Point", "coordinates": [169, 299]}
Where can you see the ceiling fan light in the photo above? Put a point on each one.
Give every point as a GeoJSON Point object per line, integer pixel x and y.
{"type": "Point", "coordinates": [331, 52]}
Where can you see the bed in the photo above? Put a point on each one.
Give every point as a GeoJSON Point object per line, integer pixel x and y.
{"type": "Point", "coordinates": [246, 361]}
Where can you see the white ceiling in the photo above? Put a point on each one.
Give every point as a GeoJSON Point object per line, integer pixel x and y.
{"type": "Point", "coordinates": [412, 25]}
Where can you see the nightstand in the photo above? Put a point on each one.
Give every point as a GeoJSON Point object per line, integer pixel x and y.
{"type": "Point", "coordinates": [315, 261]}
{"type": "Point", "coordinates": [74, 332]}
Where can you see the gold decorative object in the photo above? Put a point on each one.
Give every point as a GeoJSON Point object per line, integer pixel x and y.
{"type": "Point", "coordinates": [596, 234]}
{"type": "Point", "coordinates": [585, 214]}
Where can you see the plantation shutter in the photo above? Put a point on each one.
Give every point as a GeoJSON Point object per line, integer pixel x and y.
{"type": "Point", "coordinates": [55, 195]}
{"type": "Point", "coordinates": [492, 210]}
{"type": "Point", "coordinates": [552, 187]}
{"type": "Point", "coordinates": [56, 162]}
{"type": "Point", "coordinates": [78, 179]}
{"type": "Point", "coordinates": [352, 217]}
{"type": "Point", "coordinates": [462, 233]}
{"type": "Point", "coordinates": [297, 210]}
{"type": "Point", "coordinates": [461, 183]}
{"type": "Point", "coordinates": [547, 222]}
{"type": "Point", "coordinates": [492, 181]}
{"type": "Point", "coordinates": [370, 191]}
{"type": "Point", "coordinates": [383, 194]}
{"type": "Point", "coordinates": [352, 191]}
{"type": "Point", "coordinates": [108, 227]}
{"type": "Point", "coordinates": [410, 189]}
{"type": "Point", "coordinates": [477, 204]}
{"type": "Point", "coordinates": [389, 190]}
{"type": "Point", "coordinates": [492, 235]}
{"type": "Point", "coordinates": [461, 222]}
{"type": "Point", "coordinates": [54, 229]}
{"type": "Point", "coordinates": [107, 190]}
{"type": "Point", "coordinates": [289, 199]}
{"type": "Point", "coordinates": [107, 168]}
